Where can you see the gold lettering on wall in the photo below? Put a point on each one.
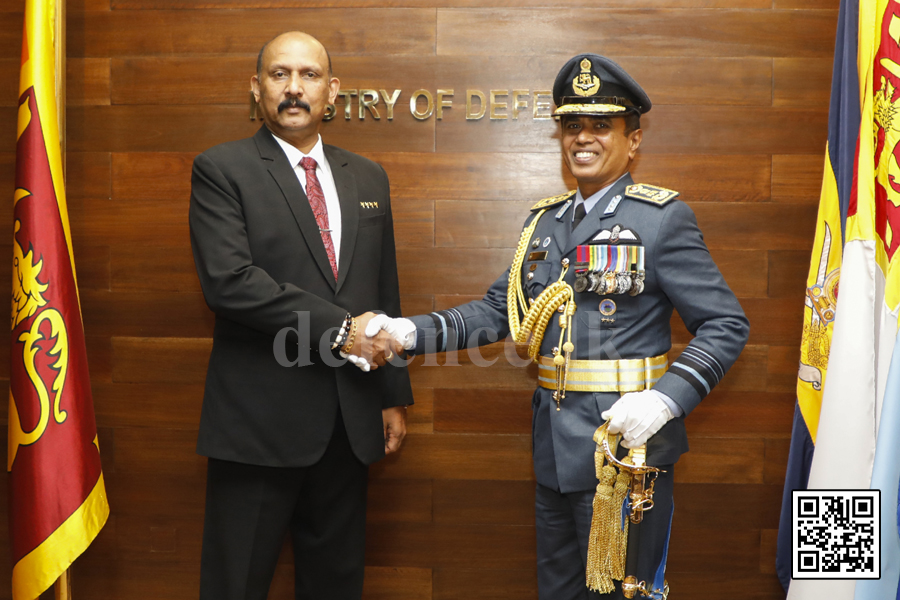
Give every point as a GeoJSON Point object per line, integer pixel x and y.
{"type": "Point", "coordinates": [542, 107]}
{"type": "Point", "coordinates": [519, 101]}
{"type": "Point", "coordinates": [347, 95]}
{"type": "Point", "coordinates": [497, 105]}
{"type": "Point", "coordinates": [414, 104]}
{"type": "Point", "coordinates": [482, 105]}
{"type": "Point", "coordinates": [501, 105]}
{"type": "Point", "coordinates": [367, 100]}
{"type": "Point", "coordinates": [443, 101]}
{"type": "Point", "coordinates": [390, 102]}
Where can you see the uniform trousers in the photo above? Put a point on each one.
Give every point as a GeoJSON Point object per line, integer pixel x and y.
{"type": "Point", "coordinates": [250, 509]}
{"type": "Point", "coordinates": [563, 525]}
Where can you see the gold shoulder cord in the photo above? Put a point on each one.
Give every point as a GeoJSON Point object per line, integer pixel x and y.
{"type": "Point", "coordinates": [558, 296]}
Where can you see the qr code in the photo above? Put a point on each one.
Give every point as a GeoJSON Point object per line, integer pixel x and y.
{"type": "Point", "coordinates": [836, 534]}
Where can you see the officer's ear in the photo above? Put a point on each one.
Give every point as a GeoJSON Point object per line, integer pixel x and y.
{"type": "Point", "coordinates": [634, 142]}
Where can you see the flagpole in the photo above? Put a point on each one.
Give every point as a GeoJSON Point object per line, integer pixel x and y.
{"type": "Point", "coordinates": [59, 27]}
{"type": "Point", "coordinates": [63, 586]}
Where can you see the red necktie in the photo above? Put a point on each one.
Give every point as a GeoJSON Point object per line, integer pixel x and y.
{"type": "Point", "coordinates": [317, 203]}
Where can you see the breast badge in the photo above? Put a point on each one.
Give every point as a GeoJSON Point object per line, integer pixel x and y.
{"type": "Point", "coordinates": [608, 310]}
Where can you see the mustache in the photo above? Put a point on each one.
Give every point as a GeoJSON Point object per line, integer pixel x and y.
{"type": "Point", "coordinates": [293, 103]}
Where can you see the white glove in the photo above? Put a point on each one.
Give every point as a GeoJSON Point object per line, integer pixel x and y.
{"type": "Point", "coordinates": [637, 416]}
{"type": "Point", "coordinates": [359, 361]}
{"type": "Point", "coordinates": [402, 330]}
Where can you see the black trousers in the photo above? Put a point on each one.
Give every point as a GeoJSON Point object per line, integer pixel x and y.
{"type": "Point", "coordinates": [250, 509]}
{"type": "Point", "coordinates": [563, 523]}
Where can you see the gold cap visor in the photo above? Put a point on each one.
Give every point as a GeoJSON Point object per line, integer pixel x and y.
{"type": "Point", "coordinates": [589, 109]}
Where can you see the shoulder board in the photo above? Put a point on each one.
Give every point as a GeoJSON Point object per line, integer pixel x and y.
{"type": "Point", "coordinates": [650, 193]}
{"type": "Point", "coordinates": [553, 200]}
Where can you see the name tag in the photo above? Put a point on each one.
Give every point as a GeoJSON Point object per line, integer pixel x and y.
{"type": "Point", "coordinates": [542, 255]}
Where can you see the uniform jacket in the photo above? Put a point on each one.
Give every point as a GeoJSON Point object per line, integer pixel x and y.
{"type": "Point", "coordinates": [264, 270]}
{"type": "Point", "coordinates": [680, 274]}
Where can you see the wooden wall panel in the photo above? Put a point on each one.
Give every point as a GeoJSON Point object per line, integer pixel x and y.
{"type": "Point", "coordinates": [487, 176]}
{"type": "Point", "coordinates": [693, 130]}
{"type": "Point", "coordinates": [204, 4]}
{"type": "Point", "coordinates": [136, 128]}
{"type": "Point", "coordinates": [483, 584]}
{"type": "Point", "coordinates": [9, 81]}
{"type": "Point", "coordinates": [797, 179]}
{"type": "Point", "coordinates": [740, 91]}
{"type": "Point", "coordinates": [165, 32]}
{"type": "Point", "coordinates": [788, 270]}
{"type": "Point", "coordinates": [472, 411]}
{"type": "Point", "coordinates": [11, 31]}
{"type": "Point", "coordinates": [154, 404]}
{"type": "Point", "coordinates": [669, 80]}
{"type": "Point", "coordinates": [87, 176]}
{"type": "Point", "coordinates": [460, 456]}
{"type": "Point", "coordinates": [8, 126]}
{"type": "Point", "coordinates": [84, 5]}
{"type": "Point", "coordinates": [781, 375]}
{"type": "Point", "coordinates": [806, 4]}
{"type": "Point", "coordinates": [743, 414]}
{"type": "Point", "coordinates": [662, 32]}
{"type": "Point", "coordinates": [802, 82]}
{"type": "Point", "coordinates": [392, 583]}
{"type": "Point", "coordinates": [8, 170]}
{"type": "Point", "coordinates": [497, 502]}
{"type": "Point", "coordinates": [87, 81]}
{"type": "Point", "coordinates": [754, 506]}
{"type": "Point", "coordinates": [494, 547]}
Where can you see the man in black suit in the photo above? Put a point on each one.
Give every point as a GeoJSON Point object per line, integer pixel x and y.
{"type": "Point", "coordinates": [290, 239]}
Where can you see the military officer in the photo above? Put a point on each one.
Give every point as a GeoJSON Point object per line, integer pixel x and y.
{"type": "Point", "coordinates": [596, 276]}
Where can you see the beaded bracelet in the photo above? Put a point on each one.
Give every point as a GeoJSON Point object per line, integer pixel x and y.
{"type": "Point", "coordinates": [351, 337]}
{"type": "Point", "coordinates": [342, 334]}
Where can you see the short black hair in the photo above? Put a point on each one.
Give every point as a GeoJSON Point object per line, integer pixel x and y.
{"type": "Point", "coordinates": [632, 121]}
{"type": "Point", "coordinates": [259, 58]}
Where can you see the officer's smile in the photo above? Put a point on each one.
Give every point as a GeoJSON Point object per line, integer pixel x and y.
{"type": "Point", "coordinates": [597, 150]}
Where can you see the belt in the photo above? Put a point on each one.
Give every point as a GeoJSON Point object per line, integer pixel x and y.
{"type": "Point", "coordinates": [605, 375]}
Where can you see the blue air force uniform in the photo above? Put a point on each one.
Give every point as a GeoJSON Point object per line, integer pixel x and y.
{"type": "Point", "coordinates": [617, 325]}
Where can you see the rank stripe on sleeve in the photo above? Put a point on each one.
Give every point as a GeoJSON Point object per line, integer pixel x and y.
{"type": "Point", "coordinates": [700, 369]}
{"type": "Point", "coordinates": [451, 330]}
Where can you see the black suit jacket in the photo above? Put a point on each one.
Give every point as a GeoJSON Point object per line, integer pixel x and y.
{"type": "Point", "coordinates": [264, 270]}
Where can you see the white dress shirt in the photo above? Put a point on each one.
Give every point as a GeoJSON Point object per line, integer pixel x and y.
{"type": "Point", "coordinates": [326, 180]}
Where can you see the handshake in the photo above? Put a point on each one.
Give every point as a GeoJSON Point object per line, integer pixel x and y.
{"type": "Point", "coordinates": [382, 338]}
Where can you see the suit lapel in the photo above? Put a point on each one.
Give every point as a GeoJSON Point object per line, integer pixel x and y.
{"type": "Point", "coordinates": [593, 220]}
{"type": "Point", "coordinates": [283, 174]}
{"type": "Point", "coordinates": [345, 183]}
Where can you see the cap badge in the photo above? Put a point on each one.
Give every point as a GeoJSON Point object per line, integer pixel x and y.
{"type": "Point", "coordinates": [586, 83]}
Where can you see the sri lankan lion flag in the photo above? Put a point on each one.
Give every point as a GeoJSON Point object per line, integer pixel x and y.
{"type": "Point", "coordinates": [844, 419]}
{"type": "Point", "coordinates": [57, 502]}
